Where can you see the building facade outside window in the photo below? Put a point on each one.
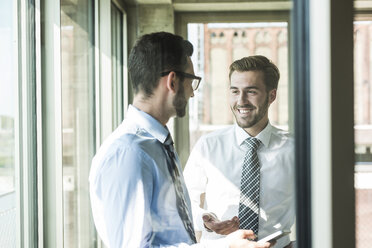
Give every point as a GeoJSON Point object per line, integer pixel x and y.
{"type": "Point", "coordinates": [363, 131]}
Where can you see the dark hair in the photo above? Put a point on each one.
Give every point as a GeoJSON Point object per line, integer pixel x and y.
{"type": "Point", "coordinates": [154, 53]}
{"type": "Point", "coordinates": [258, 63]}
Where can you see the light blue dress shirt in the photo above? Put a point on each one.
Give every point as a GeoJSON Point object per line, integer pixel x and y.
{"type": "Point", "coordinates": [132, 194]}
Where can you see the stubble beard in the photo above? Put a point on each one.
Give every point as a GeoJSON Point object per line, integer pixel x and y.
{"type": "Point", "coordinates": [262, 111]}
{"type": "Point", "coordinates": [180, 102]}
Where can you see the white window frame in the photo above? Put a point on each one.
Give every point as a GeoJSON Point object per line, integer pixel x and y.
{"type": "Point", "coordinates": [49, 125]}
{"type": "Point", "coordinates": [26, 21]}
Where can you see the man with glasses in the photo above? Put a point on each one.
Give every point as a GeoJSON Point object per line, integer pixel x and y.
{"type": "Point", "coordinates": [245, 171]}
{"type": "Point", "coordinates": [137, 190]}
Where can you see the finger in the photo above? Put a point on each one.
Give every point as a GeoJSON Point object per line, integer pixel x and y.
{"type": "Point", "coordinates": [236, 220]}
{"type": "Point", "coordinates": [247, 234]}
{"type": "Point", "coordinates": [206, 218]}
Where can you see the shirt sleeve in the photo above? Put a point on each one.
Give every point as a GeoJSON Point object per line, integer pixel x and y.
{"type": "Point", "coordinates": [125, 192]}
{"type": "Point", "coordinates": [196, 182]}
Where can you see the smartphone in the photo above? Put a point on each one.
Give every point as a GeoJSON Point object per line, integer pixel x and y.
{"type": "Point", "coordinates": [274, 236]}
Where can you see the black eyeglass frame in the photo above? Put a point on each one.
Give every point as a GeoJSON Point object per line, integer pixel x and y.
{"type": "Point", "coordinates": [186, 75]}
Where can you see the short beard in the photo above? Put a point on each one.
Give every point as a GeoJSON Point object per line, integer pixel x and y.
{"type": "Point", "coordinates": [262, 112]}
{"type": "Point", "coordinates": [180, 102]}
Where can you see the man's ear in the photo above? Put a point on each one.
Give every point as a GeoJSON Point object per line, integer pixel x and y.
{"type": "Point", "coordinates": [171, 82]}
{"type": "Point", "coordinates": [272, 95]}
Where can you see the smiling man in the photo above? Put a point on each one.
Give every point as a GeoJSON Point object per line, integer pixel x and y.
{"type": "Point", "coordinates": [246, 171]}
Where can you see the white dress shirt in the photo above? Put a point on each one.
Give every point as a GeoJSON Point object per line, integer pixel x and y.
{"type": "Point", "coordinates": [215, 167]}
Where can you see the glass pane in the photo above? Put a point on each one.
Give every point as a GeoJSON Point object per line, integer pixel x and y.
{"type": "Point", "coordinates": [363, 131]}
{"type": "Point", "coordinates": [7, 115]}
{"type": "Point", "coordinates": [216, 47]}
{"type": "Point", "coordinates": [117, 62]}
{"type": "Point", "coordinates": [77, 119]}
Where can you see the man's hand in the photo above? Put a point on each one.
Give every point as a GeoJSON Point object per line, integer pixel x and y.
{"type": "Point", "coordinates": [212, 223]}
{"type": "Point", "coordinates": [239, 239]}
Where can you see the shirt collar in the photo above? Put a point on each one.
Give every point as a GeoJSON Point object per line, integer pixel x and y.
{"type": "Point", "coordinates": [147, 122]}
{"type": "Point", "coordinates": [263, 136]}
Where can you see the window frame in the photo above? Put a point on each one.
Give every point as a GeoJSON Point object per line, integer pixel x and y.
{"type": "Point", "coordinates": [27, 169]}
{"type": "Point", "coordinates": [50, 126]}
{"type": "Point", "coordinates": [121, 92]}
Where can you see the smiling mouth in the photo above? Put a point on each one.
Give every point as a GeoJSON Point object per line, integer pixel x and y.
{"type": "Point", "coordinates": [244, 110]}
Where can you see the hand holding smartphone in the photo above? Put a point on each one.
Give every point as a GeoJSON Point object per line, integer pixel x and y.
{"type": "Point", "coordinates": [274, 236]}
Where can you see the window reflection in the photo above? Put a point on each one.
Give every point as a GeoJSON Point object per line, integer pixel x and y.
{"type": "Point", "coordinates": [216, 47]}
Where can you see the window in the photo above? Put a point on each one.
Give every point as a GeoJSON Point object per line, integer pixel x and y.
{"type": "Point", "coordinates": [219, 39]}
{"type": "Point", "coordinates": [363, 130]}
{"type": "Point", "coordinates": [117, 48]}
{"type": "Point", "coordinates": [78, 139]}
{"type": "Point", "coordinates": [8, 82]}
{"type": "Point", "coordinates": [63, 89]}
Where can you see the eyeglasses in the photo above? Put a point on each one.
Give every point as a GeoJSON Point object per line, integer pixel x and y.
{"type": "Point", "coordinates": [195, 79]}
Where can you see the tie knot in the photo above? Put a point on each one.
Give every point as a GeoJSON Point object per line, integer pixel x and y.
{"type": "Point", "coordinates": [252, 143]}
{"type": "Point", "coordinates": [168, 141]}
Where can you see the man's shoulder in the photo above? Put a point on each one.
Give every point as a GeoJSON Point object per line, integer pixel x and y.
{"type": "Point", "coordinates": [126, 144]}
{"type": "Point", "coordinates": [281, 132]}
{"type": "Point", "coordinates": [218, 138]}
{"type": "Point", "coordinates": [219, 134]}
{"type": "Point", "coordinates": [282, 136]}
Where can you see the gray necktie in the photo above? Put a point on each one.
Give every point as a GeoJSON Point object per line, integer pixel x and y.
{"type": "Point", "coordinates": [250, 187]}
{"type": "Point", "coordinates": [182, 208]}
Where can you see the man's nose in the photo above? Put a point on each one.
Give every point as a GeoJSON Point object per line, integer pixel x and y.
{"type": "Point", "coordinates": [242, 99]}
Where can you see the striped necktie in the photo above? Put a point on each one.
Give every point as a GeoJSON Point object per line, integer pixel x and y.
{"type": "Point", "coordinates": [250, 187]}
{"type": "Point", "coordinates": [182, 208]}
